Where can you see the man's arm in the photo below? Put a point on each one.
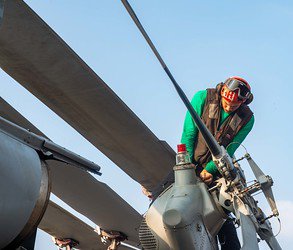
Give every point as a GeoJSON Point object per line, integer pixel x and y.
{"type": "Point", "coordinates": [190, 130]}
{"type": "Point", "coordinates": [238, 139]}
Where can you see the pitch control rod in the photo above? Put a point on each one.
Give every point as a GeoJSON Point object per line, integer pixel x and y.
{"type": "Point", "coordinates": [210, 140]}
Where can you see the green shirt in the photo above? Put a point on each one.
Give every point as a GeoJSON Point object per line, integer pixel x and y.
{"type": "Point", "coordinates": [190, 130]}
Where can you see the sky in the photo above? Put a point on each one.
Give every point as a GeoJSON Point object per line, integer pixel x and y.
{"type": "Point", "coordinates": [203, 43]}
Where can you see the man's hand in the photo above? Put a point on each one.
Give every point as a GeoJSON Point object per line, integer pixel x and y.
{"type": "Point", "coordinates": [206, 177]}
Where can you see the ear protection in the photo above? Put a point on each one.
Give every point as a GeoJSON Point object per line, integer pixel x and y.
{"type": "Point", "coordinates": [220, 86]}
{"type": "Point", "coordinates": [249, 99]}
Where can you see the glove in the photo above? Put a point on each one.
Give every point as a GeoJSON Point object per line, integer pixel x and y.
{"type": "Point", "coordinates": [206, 177]}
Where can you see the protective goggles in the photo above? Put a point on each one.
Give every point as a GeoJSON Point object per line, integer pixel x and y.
{"type": "Point", "coordinates": [234, 84]}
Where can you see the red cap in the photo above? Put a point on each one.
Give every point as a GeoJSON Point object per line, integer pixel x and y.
{"type": "Point", "coordinates": [181, 148]}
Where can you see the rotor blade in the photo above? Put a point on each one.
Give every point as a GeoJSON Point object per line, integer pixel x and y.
{"type": "Point", "coordinates": [84, 193]}
{"type": "Point", "coordinates": [10, 114]}
{"type": "Point", "coordinates": [35, 56]}
{"type": "Point", "coordinates": [61, 224]}
{"type": "Point", "coordinates": [95, 200]}
{"type": "Point", "coordinates": [210, 141]}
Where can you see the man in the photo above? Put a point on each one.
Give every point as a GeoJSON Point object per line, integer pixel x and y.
{"type": "Point", "coordinates": [225, 112]}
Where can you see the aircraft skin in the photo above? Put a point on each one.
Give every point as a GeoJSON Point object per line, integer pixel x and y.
{"type": "Point", "coordinates": [48, 68]}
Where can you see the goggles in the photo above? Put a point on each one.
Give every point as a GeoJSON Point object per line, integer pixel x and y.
{"type": "Point", "coordinates": [234, 84]}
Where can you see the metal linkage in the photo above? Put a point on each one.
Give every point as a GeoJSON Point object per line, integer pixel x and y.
{"type": "Point", "coordinates": [225, 165]}
{"type": "Point", "coordinates": [251, 189]}
{"type": "Point", "coordinates": [68, 243]}
{"type": "Point", "coordinates": [265, 182]}
{"type": "Point", "coordinates": [113, 237]}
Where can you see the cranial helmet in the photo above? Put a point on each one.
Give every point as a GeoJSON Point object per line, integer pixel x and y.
{"type": "Point", "coordinates": [236, 89]}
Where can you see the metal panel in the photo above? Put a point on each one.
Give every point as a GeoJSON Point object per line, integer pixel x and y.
{"type": "Point", "coordinates": [83, 192]}
{"type": "Point", "coordinates": [44, 64]}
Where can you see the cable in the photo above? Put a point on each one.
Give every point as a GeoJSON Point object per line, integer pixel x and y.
{"type": "Point", "coordinates": [279, 228]}
{"type": "Point", "coordinates": [235, 142]}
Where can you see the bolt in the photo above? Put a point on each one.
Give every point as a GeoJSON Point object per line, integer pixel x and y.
{"type": "Point", "coordinates": [227, 203]}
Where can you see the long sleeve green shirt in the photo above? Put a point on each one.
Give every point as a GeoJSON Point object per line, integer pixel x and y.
{"type": "Point", "coordinates": [190, 130]}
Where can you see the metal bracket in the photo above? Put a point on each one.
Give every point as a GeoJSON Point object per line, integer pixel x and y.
{"type": "Point", "coordinates": [265, 182]}
{"type": "Point", "coordinates": [66, 242]}
{"type": "Point", "coordinates": [114, 237]}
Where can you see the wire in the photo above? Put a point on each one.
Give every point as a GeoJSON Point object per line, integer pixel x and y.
{"type": "Point", "coordinates": [235, 142]}
{"type": "Point", "coordinates": [279, 228]}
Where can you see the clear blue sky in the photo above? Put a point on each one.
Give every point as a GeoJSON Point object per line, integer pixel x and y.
{"type": "Point", "coordinates": [203, 43]}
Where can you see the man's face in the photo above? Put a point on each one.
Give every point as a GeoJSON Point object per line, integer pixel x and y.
{"type": "Point", "coordinates": [230, 106]}
{"type": "Point", "coordinates": [230, 101]}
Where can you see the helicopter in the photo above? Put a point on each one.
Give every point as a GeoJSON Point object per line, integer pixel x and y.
{"type": "Point", "coordinates": [51, 153]}
{"type": "Point", "coordinates": [18, 15]}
